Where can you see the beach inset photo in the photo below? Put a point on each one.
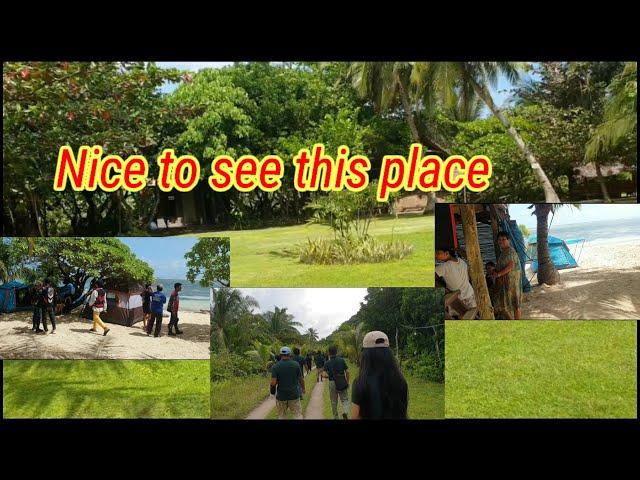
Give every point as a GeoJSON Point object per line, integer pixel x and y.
{"type": "Point", "coordinates": [327, 353]}
{"type": "Point", "coordinates": [108, 298]}
{"type": "Point", "coordinates": [539, 261]}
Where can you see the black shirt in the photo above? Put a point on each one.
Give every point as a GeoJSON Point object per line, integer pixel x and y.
{"type": "Point", "coordinates": [287, 373]}
{"type": "Point", "coordinates": [319, 361]}
{"type": "Point", "coordinates": [368, 397]}
{"type": "Point", "coordinates": [335, 365]}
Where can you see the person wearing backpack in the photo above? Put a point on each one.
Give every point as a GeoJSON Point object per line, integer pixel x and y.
{"type": "Point", "coordinates": [48, 305]}
{"type": "Point", "coordinates": [172, 307]}
{"type": "Point", "coordinates": [158, 299]}
{"type": "Point", "coordinates": [336, 370]}
{"type": "Point", "coordinates": [98, 304]}
{"type": "Point", "coordinates": [319, 361]}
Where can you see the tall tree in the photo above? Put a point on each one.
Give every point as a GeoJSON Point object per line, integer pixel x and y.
{"type": "Point", "coordinates": [446, 78]}
{"type": "Point", "coordinates": [228, 306]}
{"type": "Point", "coordinates": [209, 259]}
{"type": "Point", "coordinates": [281, 324]}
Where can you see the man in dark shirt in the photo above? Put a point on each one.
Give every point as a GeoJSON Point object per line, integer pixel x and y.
{"type": "Point", "coordinates": [336, 366]}
{"type": "Point", "coordinates": [319, 360]}
{"type": "Point", "coordinates": [288, 381]}
{"type": "Point", "coordinates": [298, 358]}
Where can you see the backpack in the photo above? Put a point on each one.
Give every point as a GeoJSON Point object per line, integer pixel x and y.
{"type": "Point", "coordinates": [340, 379]}
{"type": "Point", "coordinates": [99, 303]}
{"type": "Point", "coordinates": [170, 303]}
{"type": "Point", "coordinates": [47, 299]}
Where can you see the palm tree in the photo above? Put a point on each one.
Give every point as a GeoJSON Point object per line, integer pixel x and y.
{"type": "Point", "coordinates": [351, 342]}
{"type": "Point", "coordinates": [281, 324]}
{"type": "Point", "coordinates": [547, 271]}
{"type": "Point", "coordinates": [620, 119]}
{"type": "Point", "coordinates": [442, 80]}
{"type": "Point", "coordinates": [229, 305]}
{"type": "Point", "coordinates": [388, 85]}
{"type": "Point", "coordinates": [312, 335]}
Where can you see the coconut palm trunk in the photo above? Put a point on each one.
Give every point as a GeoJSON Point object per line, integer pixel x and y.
{"type": "Point", "coordinates": [476, 270]}
{"type": "Point", "coordinates": [603, 185]}
{"type": "Point", "coordinates": [547, 271]}
{"type": "Point", "coordinates": [481, 91]}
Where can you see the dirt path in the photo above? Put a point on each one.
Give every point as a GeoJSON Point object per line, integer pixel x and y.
{"type": "Point", "coordinates": [314, 408]}
{"type": "Point", "coordinates": [73, 340]}
{"type": "Point", "coordinates": [262, 410]}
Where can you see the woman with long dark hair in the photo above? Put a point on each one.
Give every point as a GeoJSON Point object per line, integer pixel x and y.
{"type": "Point", "coordinates": [380, 391]}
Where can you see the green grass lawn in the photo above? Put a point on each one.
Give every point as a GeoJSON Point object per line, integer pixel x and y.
{"type": "Point", "coordinates": [541, 369]}
{"type": "Point", "coordinates": [235, 398]}
{"type": "Point", "coordinates": [426, 399]}
{"type": "Point", "coordinates": [257, 258]}
{"type": "Point", "coordinates": [106, 389]}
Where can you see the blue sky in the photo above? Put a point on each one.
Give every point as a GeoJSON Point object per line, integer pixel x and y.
{"type": "Point", "coordinates": [586, 213]}
{"type": "Point", "coordinates": [500, 94]}
{"type": "Point", "coordinates": [165, 255]}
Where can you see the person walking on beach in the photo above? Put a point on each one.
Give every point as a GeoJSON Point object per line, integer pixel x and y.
{"type": "Point", "coordinates": [287, 384]}
{"type": "Point", "coordinates": [173, 307]}
{"type": "Point", "coordinates": [37, 306]}
{"type": "Point", "coordinates": [158, 299]}
{"type": "Point", "coordinates": [48, 305]}
{"type": "Point", "coordinates": [336, 370]}
{"type": "Point", "coordinates": [146, 305]}
{"type": "Point", "coordinates": [380, 391]}
{"type": "Point", "coordinates": [98, 304]}
{"type": "Point", "coordinates": [507, 278]}
{"type": "Point", "coordinates": [319, 360]}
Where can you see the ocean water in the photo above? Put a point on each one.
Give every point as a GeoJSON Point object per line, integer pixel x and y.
{"type": "Point", "coordinates": [193, 297]}
{"type": "Point", "coordinates": [601, 232]}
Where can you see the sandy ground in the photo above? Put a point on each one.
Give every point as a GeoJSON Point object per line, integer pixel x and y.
{"type": "Point", "coordinates": [606, 285]}
{"type": "Point", "coordinates": [73, 340]}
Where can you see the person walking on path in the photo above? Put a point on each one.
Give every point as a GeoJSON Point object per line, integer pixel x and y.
{"type": "Point", "coordinates": [319, 360]}
{"type": "Point", "coordinates": [173, 307]}
{"type": "Point", "coordinates": [48, 305]}
{"type": "Point", "coordinates": [98, 303]}
{"type": "Point", "coordinates": [309, 362]}
{"type": "Point", "coordinates": [336, 371]}
{"type": "Point", "coordinates": [146, 305]}
{"type": "Point", "coordinates": [299, 358]}
{"type": "Point", "coordinates": [380, 391]}
{"type": "Point", "coordinates": [158, 299]}
{"type": "Point", "coordinates": [287, 380]}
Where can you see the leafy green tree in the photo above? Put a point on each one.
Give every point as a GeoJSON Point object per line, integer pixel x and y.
{"type": "Point", "coordinates": [281, 324]}
{"type": "Point", "coordinates": [312, 335]}
{"type": "Point", "coordinates": [447, 79]}
{"type": "Point", "coordinates": [209, 259]}
{"type": "Point", "coordinates": [50, 104]}
{"type": "Point", "coordinates": [228, 306]}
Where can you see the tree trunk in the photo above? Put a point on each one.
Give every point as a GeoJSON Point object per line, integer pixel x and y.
{"type": "Point", "coordinates": [476, 270]}
{"type": "Point", "coordinates": [550, 194]}
{"type": "Point", "coordinates": [36, 214]}
{"type": "Point", "coordinates": [415, 135]}
{"type": "Point", "coordinates": [547, 271]}
{"type": "Point", "coordinates": [603, 185]}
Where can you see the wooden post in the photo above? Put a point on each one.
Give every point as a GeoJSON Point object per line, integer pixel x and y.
{"type": "Point", "coordinates": [476, 270]}
{"type": "Point", "coordinates": [493, 215]}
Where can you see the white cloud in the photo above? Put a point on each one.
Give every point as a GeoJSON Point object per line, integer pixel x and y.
{"type": "Point", "coordinates": [323, 309]}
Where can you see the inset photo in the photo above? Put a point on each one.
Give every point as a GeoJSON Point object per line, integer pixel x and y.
{"type": "Point", "coordinates": [539, 261]}
{"type": "Point", "coordinates": [327, 353]}
{"type": "Point", "coordinates": [108, 298]}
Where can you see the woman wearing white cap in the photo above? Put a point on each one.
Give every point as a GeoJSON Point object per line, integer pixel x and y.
{"type": "Point", "coordinates": [380, 391]}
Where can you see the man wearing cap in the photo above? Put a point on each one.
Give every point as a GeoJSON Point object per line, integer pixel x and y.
{"type": "Point", "coordinates": [287, 380]}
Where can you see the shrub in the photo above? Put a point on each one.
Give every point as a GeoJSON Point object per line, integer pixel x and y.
{"type": "Point", "coordinates": [350, 250]}
{"type": "Point", "coordinates": [425, 366]}
{"type": "Point", "coordinates": [230, 365]}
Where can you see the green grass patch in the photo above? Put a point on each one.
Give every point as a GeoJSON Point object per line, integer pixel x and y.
{"type": "Point", "coordinates": [541, 369]}
{"type": "Point", "coordinates": [106, 389]}
{"type": "Point", "coordinates": [259, 258]}
{"type": "Point", "coordinates": [236, 397]}
{"type": "Point", "coordinates": [426, 399]}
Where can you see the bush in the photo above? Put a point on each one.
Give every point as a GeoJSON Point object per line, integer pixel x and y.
{"type": "Point", "coordinates": [425, 366]}
{"type": "Point", "coordinates": [350, 250]}
{"type": "Point", "coordinates": [231, 365]}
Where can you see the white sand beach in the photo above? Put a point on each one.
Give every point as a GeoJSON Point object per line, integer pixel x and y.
{"type": "Point", "coordinates": [605, 285]}
{"type": "Point", "coordinates": [73, 340]}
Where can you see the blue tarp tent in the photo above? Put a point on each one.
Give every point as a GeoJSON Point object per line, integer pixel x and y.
{"type": "Point", "coordinates": [560, 254]}
{"type": "Point", "coordinates": [14, 296]}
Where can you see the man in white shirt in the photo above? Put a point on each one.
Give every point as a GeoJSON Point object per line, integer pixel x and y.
{"type": "Point", "coordinates": [455, 273]}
